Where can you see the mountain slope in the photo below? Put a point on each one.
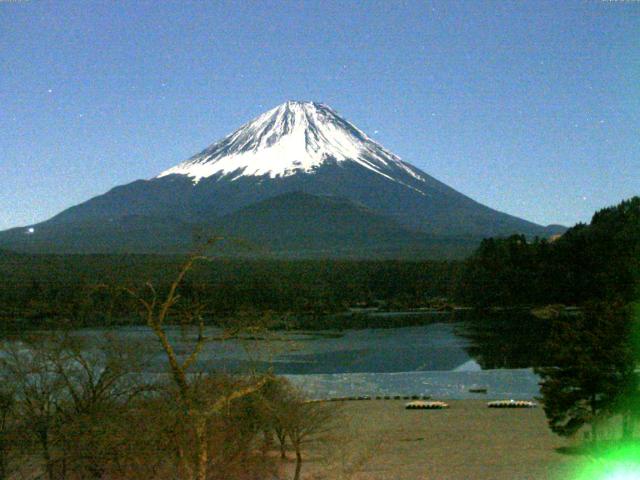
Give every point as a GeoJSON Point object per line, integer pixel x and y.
{"type": "Point", "coordinates": [125, 234]}
{"type": "Point", "coordinates": [290, 225]}
{"type": "Point", "coordinates": [314, 226]}
{"type": "Point", "coordinates": [295, 147]}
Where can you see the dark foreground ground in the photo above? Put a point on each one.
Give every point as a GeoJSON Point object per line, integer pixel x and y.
{"type": "Point", "coordinates": [379, 439]}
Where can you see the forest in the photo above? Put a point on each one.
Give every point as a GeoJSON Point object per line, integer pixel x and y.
{"type": "Point", "coordinates": [600, 260]}
{"type": "Point", "coordinates": [597, 261]}
{"type": "Point", "coordinates": [84, 290]}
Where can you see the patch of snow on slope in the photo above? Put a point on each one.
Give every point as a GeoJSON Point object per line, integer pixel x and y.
{"type": "Point", "coordinates": [291, 138]}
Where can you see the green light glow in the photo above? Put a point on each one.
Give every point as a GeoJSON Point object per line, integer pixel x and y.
{"type": "Point", "coordinates": [624, 474]}
{"type": "Point", "coordinates": [618, 463]}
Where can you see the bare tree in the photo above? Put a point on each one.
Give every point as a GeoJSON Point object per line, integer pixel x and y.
{"type": "Point", "coordinates": [7, 407]}
{"type": "Point", "coordinates": [308, 422]}
{"type": "Point", "coordinates": [301, 421]}
{"type": "Point", "coordinates": [198, 410]}
{"type": "Point", "coordinates": [38, 390]}
{"type": "Point", "coordinates": [71, 398]}
{"type": "Point", "coordinates": [100, 381]}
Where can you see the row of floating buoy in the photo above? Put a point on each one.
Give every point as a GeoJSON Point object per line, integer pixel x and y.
{"type": "Point", "coordinates": [380, 397]}
{"type": "Point", "coordinates": [423, 405]}
{"type": "Point", "coordinates": [478, 390]}
{"type": "Point", "coordinates": [420, 402]}
{"type": "Point", "coordinates": [404, 397]}
{"type": "Point", "coordinates": [512, 404]}
{"type": "Point", "coordinates": [344, 399]}
{"type": "Point", "coordinates": [398, 397]}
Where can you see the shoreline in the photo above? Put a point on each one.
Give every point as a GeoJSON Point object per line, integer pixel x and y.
{"type": "Point", "coordinates": [501, 384]}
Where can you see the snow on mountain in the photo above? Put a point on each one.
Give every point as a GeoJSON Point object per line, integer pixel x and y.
{"type": "Point", "coordinates": [292, 138]}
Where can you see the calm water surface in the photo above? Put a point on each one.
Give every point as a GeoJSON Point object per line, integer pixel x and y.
{"type": "Point", "coordinates": [435, 359]}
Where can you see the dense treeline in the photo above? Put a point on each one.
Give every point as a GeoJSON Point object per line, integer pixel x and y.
{"type": "Point", "coordinates": [589, 262]}
{"type": "Point", "coordinates": [85, 290]}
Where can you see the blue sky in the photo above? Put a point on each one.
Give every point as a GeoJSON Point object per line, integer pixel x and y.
{"type": "Point", "coordinates": [532, 108]}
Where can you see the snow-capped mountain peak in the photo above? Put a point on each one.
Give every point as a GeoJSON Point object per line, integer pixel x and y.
{"type": "Point", "coordinates": [291, 138]}
{"type": "Point", "coordinates": [299, 180]}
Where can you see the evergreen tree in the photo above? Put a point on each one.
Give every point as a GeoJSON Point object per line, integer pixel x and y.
{"type": "Point", "coordinates": [593, 376]}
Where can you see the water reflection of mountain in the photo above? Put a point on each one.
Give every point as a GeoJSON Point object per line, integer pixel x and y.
{"type": "Point", "coordinates": [506, 339]}
{"type": "Point", "coordinates": [503, 340]}
{"type": "Point", "coordinates": [433, 347]}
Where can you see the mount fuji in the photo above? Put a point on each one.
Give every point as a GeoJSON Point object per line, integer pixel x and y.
{"type": "Point", "coordinates": [297, 181]}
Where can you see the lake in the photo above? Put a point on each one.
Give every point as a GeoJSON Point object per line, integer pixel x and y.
{"type": "Point", "coordinates": [441, 359]}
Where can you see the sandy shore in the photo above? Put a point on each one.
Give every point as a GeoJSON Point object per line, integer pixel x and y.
{"type": "Point", "coordinates": [379, 439]}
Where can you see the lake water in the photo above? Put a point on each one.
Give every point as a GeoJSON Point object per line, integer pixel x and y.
{"type": "Point", "coordinates": [432, 359]}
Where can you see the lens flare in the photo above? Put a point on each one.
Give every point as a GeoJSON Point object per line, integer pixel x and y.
{"type": "Point", "coordinates": [616, 463]}
{"type": "Point", "coordinates": [624, 474]}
